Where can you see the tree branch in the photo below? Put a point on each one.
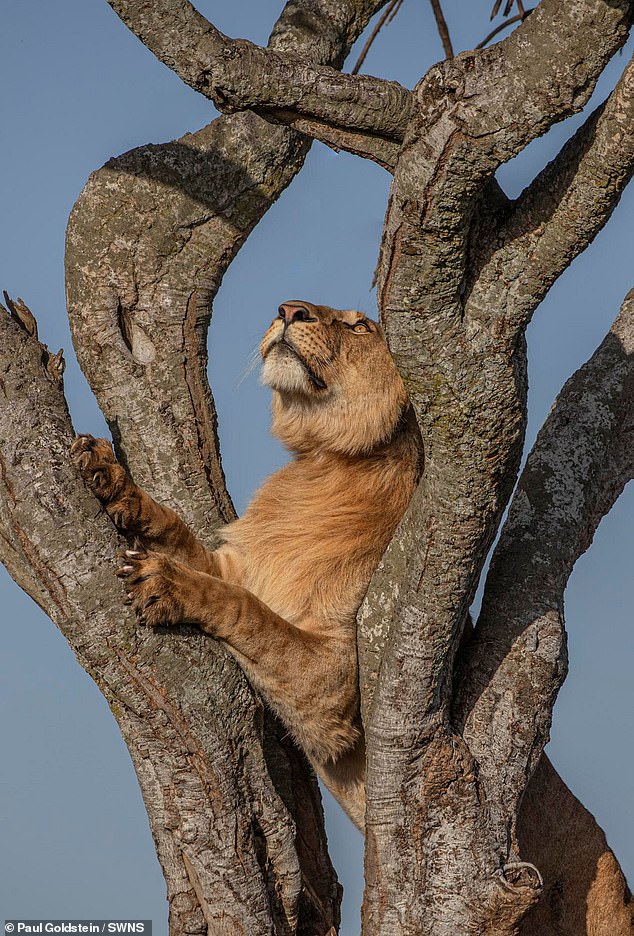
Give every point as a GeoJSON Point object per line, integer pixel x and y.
{"type": "Point", "coordinates": [237, 75]}
{"type": "Point", "coordinates": [165, 690]}
{"type": "Point", "coordinates": [443, 30]}
{"type": "Point", "coordinates": [498, 29]}
{"type": "Point", "coordinates": [516, 662]}
{"type": "Point", "coordinates": [559, 214]}
{"type": "Point", "coordinates": [467, 380]}
{"type": "Point", "coordinates": [380, 150]}
{"type": "Point", "coordinates": [474, 112]}
{"type": "Point", "coordinates": [140, 317]}
{"type": "Point", "coordinates": [148, 243]}
{"type": "Point", "coordinates": [445, 162]}
{"type": "Point", "coordinates": [16, 549]}
{"type": "Point", "coordinates": [388, 15]}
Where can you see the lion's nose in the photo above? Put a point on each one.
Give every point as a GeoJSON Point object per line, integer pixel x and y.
{"type": "Point", "coordinates": [292, 312]}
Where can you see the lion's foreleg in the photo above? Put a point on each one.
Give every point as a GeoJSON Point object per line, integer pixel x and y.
{"type": "Point", "coordinates": [309, 678]}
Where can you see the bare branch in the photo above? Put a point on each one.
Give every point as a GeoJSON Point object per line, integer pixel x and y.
{"type": "Point", "coordinates": [516, 662]}
{"type": "Point", "coordinates": [322, 31]}
{"type": "Point", "coordinates": [148, 243]}
{"type": "Point", "coordinates": [388, 15]}
{"type": "Point", "coordinates": [20, 312]}
{"type": "Point", "coordinates": [475, 112]}
{"type": "Point", "coordinates": [423, 265]}
{"type": "Point", "coordinates": [502, 26]}
{"type": "Point", "coordinates": [163, 689]}
{"type": "Point", "coordinates": [379, 150]}
{"type": "Point", "coordinates": [237, 75]}
{"type": "Point", "coordinates": [16, 549]}
{"type": "Point", "coordinates": [560, 213]}
{"type": "Point", "coordinates": [140, 301]}
{"type": "Point", "coordinates": [443, 29]}
{"type": "Point", "coordinates": [467, 379]}
{"type": "Point", "coordinates": [539, 59]}
{"type": "Point", "coordinates": [440, 176]}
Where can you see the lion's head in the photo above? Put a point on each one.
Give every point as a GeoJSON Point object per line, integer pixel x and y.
{"type": "Point", "coordinates": [335, 385]}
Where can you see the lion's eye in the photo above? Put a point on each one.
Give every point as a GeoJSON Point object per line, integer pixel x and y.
{"type": "Point", "coordinates": [360, 327]}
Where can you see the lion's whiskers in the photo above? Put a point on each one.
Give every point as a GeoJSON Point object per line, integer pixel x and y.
{"type": "Point", "coordinates": [253, 361]}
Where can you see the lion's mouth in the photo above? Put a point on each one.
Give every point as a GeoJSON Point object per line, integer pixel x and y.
{"type": "Point", "coordinates": [286, 346]}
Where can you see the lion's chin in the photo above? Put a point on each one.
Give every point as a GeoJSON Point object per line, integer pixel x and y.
{"type": "Point", "coordinates": [283, 370]}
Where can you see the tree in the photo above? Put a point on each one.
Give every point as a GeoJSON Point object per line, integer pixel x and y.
{"type": "Point", "coordinates": [450, 747]}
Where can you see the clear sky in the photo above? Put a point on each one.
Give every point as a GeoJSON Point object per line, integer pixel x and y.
{"type": "Point", "coordinates": [77, 88]}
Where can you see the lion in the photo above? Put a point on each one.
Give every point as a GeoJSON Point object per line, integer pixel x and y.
{"type": "Point", "coordinates": [283, 589]}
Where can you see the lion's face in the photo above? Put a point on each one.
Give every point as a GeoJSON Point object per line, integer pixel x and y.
{"type": "Point", "coordinates": [334, 381]}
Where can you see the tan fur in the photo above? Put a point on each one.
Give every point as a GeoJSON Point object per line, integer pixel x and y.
{"type": "Point", "coordinates": [283, 591]}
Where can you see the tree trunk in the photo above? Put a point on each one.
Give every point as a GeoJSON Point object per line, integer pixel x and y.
{"type": "Point", "coordinates": [468, 827]}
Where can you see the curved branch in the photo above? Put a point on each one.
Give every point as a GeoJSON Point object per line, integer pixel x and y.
{"type": "Point", "coordinates": [548, 67]}
{"type": "Point", "coordinates": [560, 213]}
{"type": "Point", "coordinates": [164, 690]}
{"type": "Point", "coordinates": [466, 376]}
{"type": "Point", "coordinates": [441, 217]}
{"type": "Point", "coordinates": [516, 661]}
{"type": "Point", "coordinates": [148, 243]}
{"type": "Point", "coordinates": [473, 113]}
{"type": "Point", "coordinates": [237, 75]}
{"type": "Point", "coordinates": [379, 149]}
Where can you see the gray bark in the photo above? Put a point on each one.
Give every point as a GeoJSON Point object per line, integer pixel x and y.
{"type": "Point", "coordinates": [195, 756]}
{"type": "Point", "coordinates": [237, 75]}
{"type": "Point", "coordinates": [453, 740]}
{"type": "Point", "coordinates": [464, 366]}
{"type": "Point", "coordinates": [235, 813]}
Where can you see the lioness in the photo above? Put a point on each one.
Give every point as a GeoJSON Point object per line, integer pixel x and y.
{"type": "Point", "coordinates": [283, 591]}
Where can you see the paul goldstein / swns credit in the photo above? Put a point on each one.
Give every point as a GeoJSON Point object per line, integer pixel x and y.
{"type": "Point", "coordinates": [25, 927]}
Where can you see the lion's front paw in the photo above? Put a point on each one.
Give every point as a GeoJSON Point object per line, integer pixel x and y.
{"type": "Point", "coordinates": [150, 581]}
{"type": "Point", "coordinates": [98, 466]}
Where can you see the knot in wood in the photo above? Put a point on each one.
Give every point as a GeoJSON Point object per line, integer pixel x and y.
{"type": "Point", "coordinates": [519, 875]}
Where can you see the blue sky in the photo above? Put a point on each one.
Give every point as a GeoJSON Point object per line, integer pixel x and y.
{"type": "Point", "coordinates": [77, 88]}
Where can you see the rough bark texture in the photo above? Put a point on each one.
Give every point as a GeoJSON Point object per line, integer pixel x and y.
{"type": "Point", "coordinates": [466, 821]}
{"type": "Point", "coordinates": [148, 243]}
{"type": "Point", "coordinates": [187, 714]}
{"type": "Point", "coordinates": [238, 75]}
{"type": "Point", "coordinates": [464, 366]}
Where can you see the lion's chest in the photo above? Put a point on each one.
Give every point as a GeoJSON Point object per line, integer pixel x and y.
{"type": "Point", "coordinates": [302, 568]}
{"type": "Point", "coordinates": [309, 549]}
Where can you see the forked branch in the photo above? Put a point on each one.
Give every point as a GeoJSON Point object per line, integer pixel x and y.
{"type": "Point", "coordinates": [516, 661]}
{"type": "Point", "coordinates": [238, 75]}
{"type": "Point", "coordinates": [166, 691]}
{"type": "Point", "coordinates": [499, 100]}
{"type": "Point", "coordinates": [467, 379]}
{"type": "Point", "coordinates": [560, 212]}
{"type": "Point", "coordinates": [140, 293]}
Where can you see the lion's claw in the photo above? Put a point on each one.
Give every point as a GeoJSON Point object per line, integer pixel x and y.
{"type": "Point", "coordinates": [98, 466]}
{"type": "Point", "coordinates": [151, 587]}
